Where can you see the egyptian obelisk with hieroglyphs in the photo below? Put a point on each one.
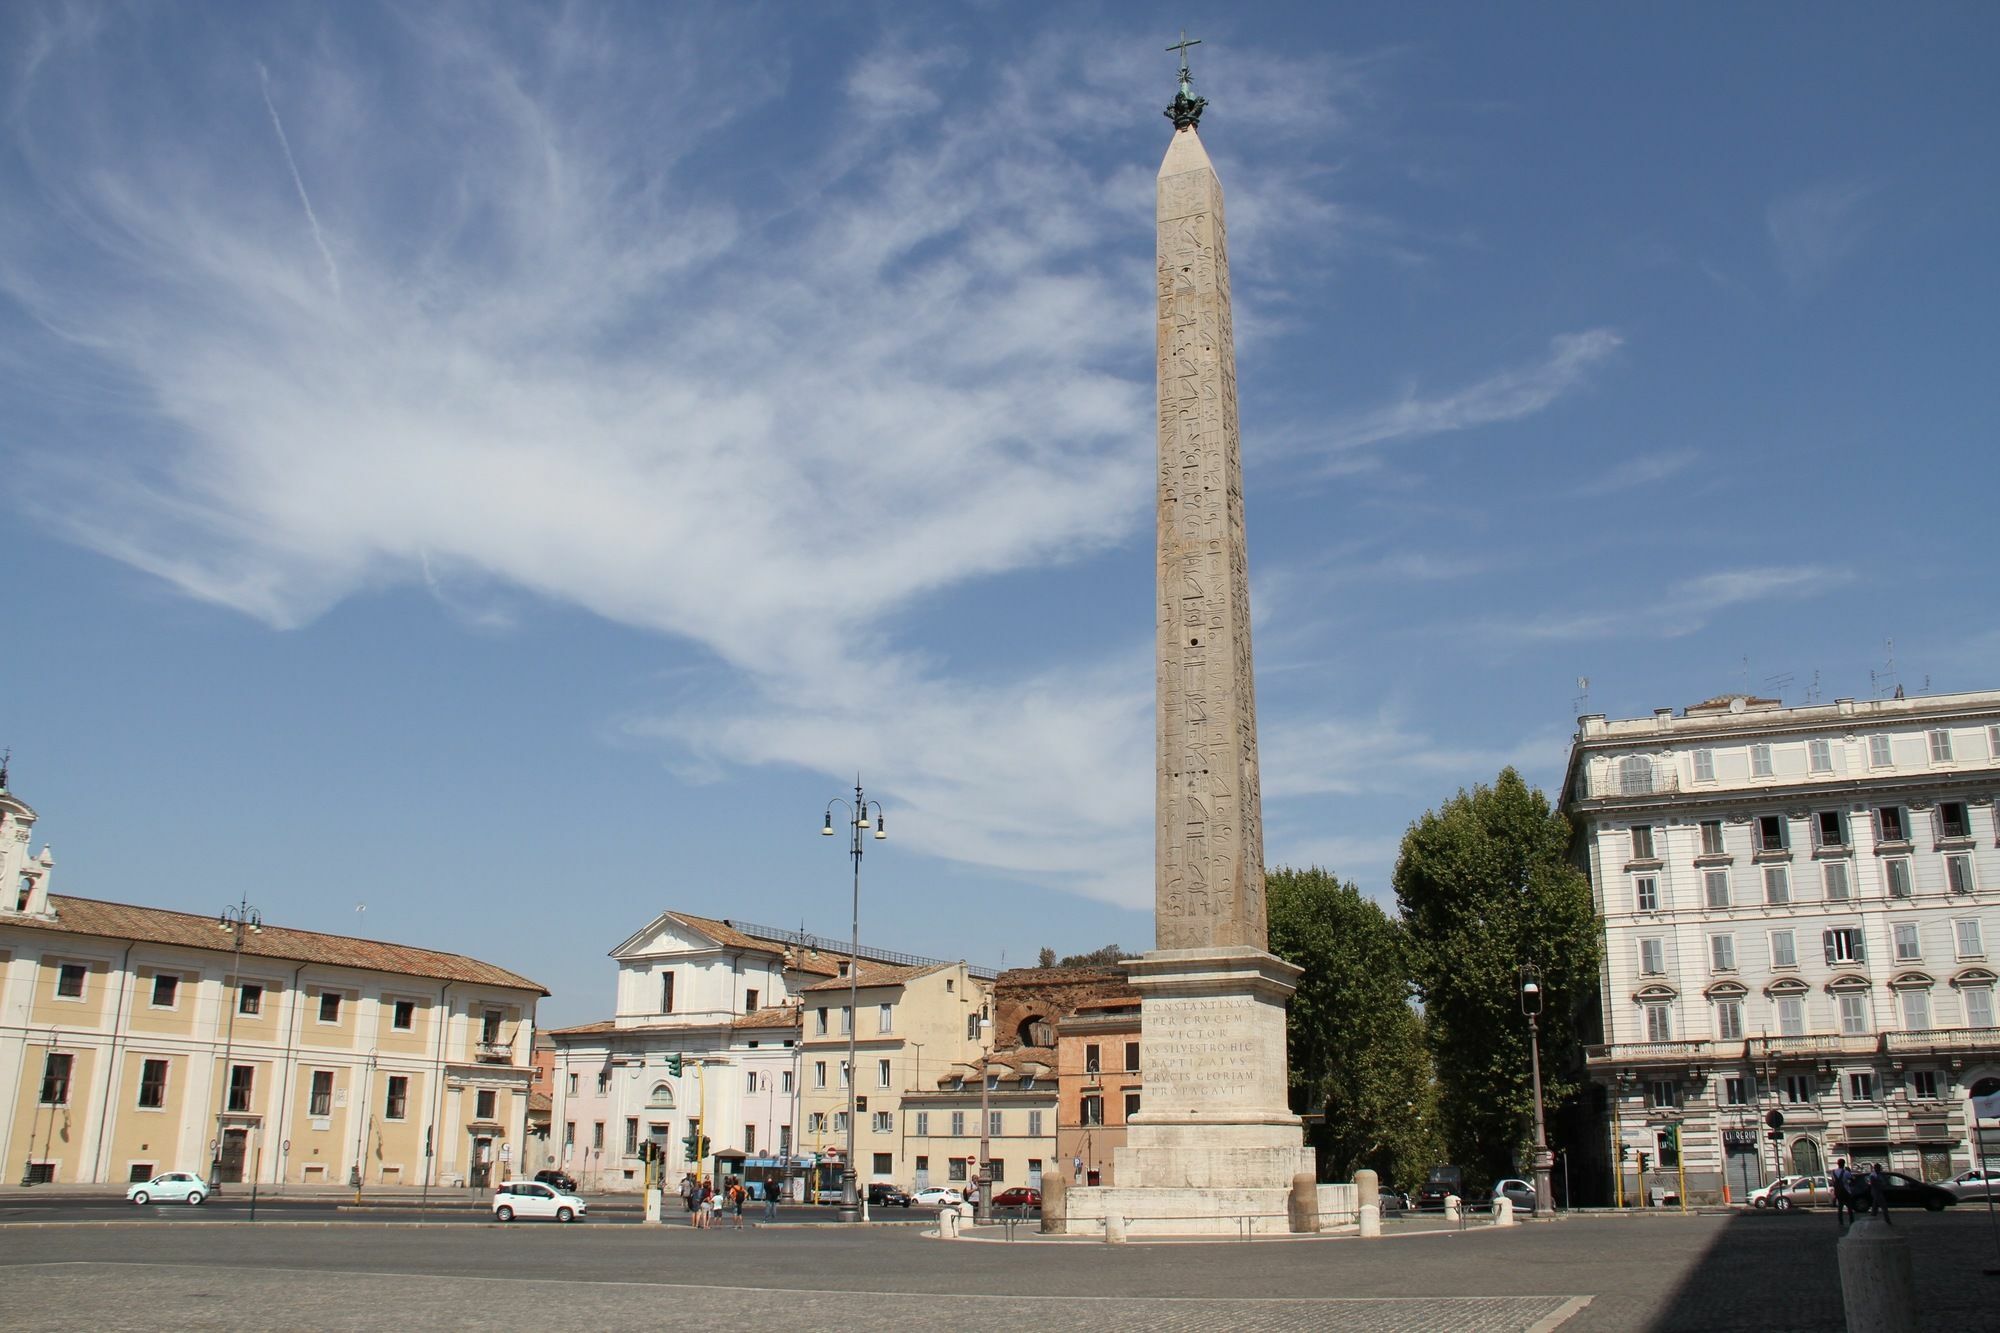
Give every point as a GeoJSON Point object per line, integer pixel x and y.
{"type": "Point", "coordinates": [1214, 1147]}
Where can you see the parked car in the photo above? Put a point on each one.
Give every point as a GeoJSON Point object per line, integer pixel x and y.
{"type": "Point", "coordinates": [937, 1196]}
{"type": "Point", "coordinates": [531, 1198]}
{"type": "Point", "coordinates": [173, 1187]}
{"type": "Point", "coordinates": [1518, 1192]}
{"type": "Point", "coordinates": [558, 1181]}
{"type": "Point", "coordinates": [1393, 1201]}
{"type": "Point", "coordinates": [1908, 1192]}
{"type": "Point", "coordinates": [1021, 1196]}
{"type": "Point", "coordinates": [1441, 1181]}
{"type": "Point", "coordinates": [883, 1195]}
{"type": "Point", "coordinates": [1977, 1183]}
{"type": "Point", "coordinates": [1762, 1196]}
{"type": "Point", "coordinates": [1803, 1192]}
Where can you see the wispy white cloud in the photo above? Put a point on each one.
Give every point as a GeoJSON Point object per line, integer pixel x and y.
{"type": "Point", "coordinates": [305, 200]}
{"type": "Point", "coordinates": [1680, 609]}
{"type": "Point", "coordinates": [1815, 228]}
{"type": "Point", "coordinates": [1506, 396]}
{"type": "Point", "coordinates": [1636, 472]}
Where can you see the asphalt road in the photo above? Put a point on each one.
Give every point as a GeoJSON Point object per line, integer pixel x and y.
{"type": "Point", "coordinates": [446, 1208]}
{"type": "Point", "coordinates": [1583, 1273]}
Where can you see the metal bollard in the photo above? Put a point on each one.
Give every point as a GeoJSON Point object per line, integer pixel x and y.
{"type": "Point", "coordinates": [1876, 1284]}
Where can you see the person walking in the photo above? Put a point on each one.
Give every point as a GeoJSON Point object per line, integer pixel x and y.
{"type": "Point", "coordinates": [1878, 1192]}
{"type": "Point", "coordinates": [771, 1200]}
{"type": "Point", "coordinates": [687, 1193]}
{"type": "Point", "coordinates": [1842, 1181]}
{"type": "Point", "coordinates": [737, 1196]}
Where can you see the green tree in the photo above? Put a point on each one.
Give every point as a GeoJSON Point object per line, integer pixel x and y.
{"type": "Point", "coordinates": [1046, 958]}
{"type": "Point", "coordinates": [1485, 885]}
{"type": "Point", "coordinates": [1357, 1048]}
{"type": "Point", "coordinates": [1108, 956]}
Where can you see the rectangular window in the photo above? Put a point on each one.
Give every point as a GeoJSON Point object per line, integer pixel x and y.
{"type": "Point", "coordinates": [749, 1080]}
{"type": "Point", "coordinates": [819, 1022]}
{"type": "Point", "coordinates": [1834, 875]}
{"type": "Point", "coordinates": [958, 1124]}
{"type": "Point", "coordinates": [1663, 1094]}
{"type": "Point", "coordinates": [1953, 822]}
{"type": "Point", "coordinates": [406, 1018]}
{"type": "Point", "coordinates": [1659, 1023]}
{"type": "Point", "coordinates": [1978, 1006]}
{"type": "Point", "coordinates": [489, 1027]}
{"type": "Point", "coordinates": [1969, 943]}
{"type": "Point", "coordinates": [1642, 842]}
{"type": "Point", "coordinates": [885, 1163]}
{"type": "Point", "coordinates": [1819, 756]}
{"type": "Point", "coordinates": [1093, 1109]}
{"type": "Point", "coordinates": [1652, 957]}
{"type": "Point", "coordinates": [819, 1073]}
{"type": "Point", "coordinates": [1843, 945]}
{"type": "Point", "coordinates": [153, 1084]}
{"type": "Point", "coordinates": [603, 1081]}
{"type": "Point", "coordinates": [750, 998]}
{"type": "Point", "coordinates": [249, 998]}
{"type": "Point", "coordinates": [1799, 1089]}
{"type": "Point", "coordinates": [569, 1133]}
{"type": "Point", "coordinates": [165, 990]}
{"type": "Point", "coordinates": [784, 1140]}
{"type": "Point", "coordinates": [321, 1105]}
{"type": "Point", "coordinates": [666, 992]}
{"type": "Point", "coordinates": [1897, 872]}
{"type": "Point", "coordinates": [69, 981]}
{"type": "Point", "coordinates": [785, 1082]}
{"type": "Point", "coordinates": [1131, 1057]}
{"type": "Point", "coordinates": [1853, 1014]}
{"type": "Point", "coordinates": [881, 1073]}
{"type": "Point", "coordinates": [396, 1105]}
{"type": "Point", "coordinates": [840, 1122]}
{"type": "Point", "coordinates": [1034, 1124]}
{"type": "Point", "coordinates": [923, 1124]}
{"type": "Point", "coordinates": [1830, 829]}
{"type": "Point", "coordinates": [1760, 761]}
{"type": "Point", "coordinates": [329, 1007]}
{"type": "Point", "coordinates": [572, 1084]}
{"type": "Point", "coordinates": [597, 1135]}
{"type": "Point", "coordinates": [972, 1027]}
{"type": "Point", "coordinates": [632, 1136]}
{"type": "Point", "coordinates": [992, 1082]}
{"type": "Point", "coordinates": [1131, 1104]}
{"type": "Point", "coordinates": [883, 1122]}
{"type": "Point", "coordinates": [1890, 826]}
{"type": "Point", "coordinates": [1704, 765]}
{"type": "Point", "coordinates": [1916, 1009]}
{"type": "Point", "coordinates": [1908, 949]}
{"type": "Point", "coordinates": [242, 1083]}
{"type": "Point", "coordinates": [56, 1068]}
{"type": "Point", "coordinates": [1924, 1084]}
{"type": "Point", "coordinates": [1735, 1091]}
{"type": "Point", "coordinates": [1783, 954]}
{"type": "Point", "coordinates": [1878, 751]}
{"type": "Point", "coordinates": [1771, 833]}
{"type": "Point", "coordinates": [1777, 885]}
{"type": "Point", "coordinates": [846, 1019]}
{"type": "Point", "coordinates": [1940, 746]}
{"type": "Point", "coordinates": [1711, 837]}
{"type": "Point", "coordinates": [1716, 884]}
{"type": "Point", "coordinates": [844, 1073]}
{"type": "Point", "coordinates": [884, 1018]}
{"type": "Point", "coordinates": [1091, 1056]}
{"type": "Point", "coordinates": [1722, 953]}
{"type": "Point", "coordinates": [1646, 893]}
{"type": "Point", "coordinates": [993, 1124]}
{"type": "Point", "coordinates": [749, 1138]}
{"type": "Point", "coordinates": [1729, 1020]}
{"type": "Point", "coordinates": [816, 1122]}
{"type": "Point", "coordinates": [1993, 741]}
{"type": "Point", "coordinates": [1791, 1016]}
{"type": "Point", "coordinates": [955, 1170]}
{"type": "Point", "coordinates": [1860, 1087]}
{"type": "Point", "coordinates": [1958, 872]}
{"type": "Point", "coordinates": [485, 1104]}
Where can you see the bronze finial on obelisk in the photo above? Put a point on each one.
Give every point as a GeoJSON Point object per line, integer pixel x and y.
{"type": "Point", "coordinates": [1209, 857]}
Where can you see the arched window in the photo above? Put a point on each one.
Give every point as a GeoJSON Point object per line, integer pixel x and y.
{"type": "Point", "coordinates": [1806, 1159]}
{"type": "Point", "coordinates": [1635, 776]}
{"type": "Point", "coordinates": [662, 1098]}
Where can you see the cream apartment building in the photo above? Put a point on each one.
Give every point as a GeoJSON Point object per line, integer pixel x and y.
{"type": "Point", "coordinates": [135, 1040]}
{"type": "Point", "coordinates": [1800, 911]}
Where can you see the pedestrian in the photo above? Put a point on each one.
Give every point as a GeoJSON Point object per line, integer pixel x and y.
{"type": "Point", "coordinates": [770, 1201]}
{"type": "Point", "coordinates": [1878, 1192]}
{"type": "Point", "coordinates": [1842, 1181]}
{"type": "Point", "coordinates": [737, 1196]}
{"type": "Point", "coordinates": [687, 1192]}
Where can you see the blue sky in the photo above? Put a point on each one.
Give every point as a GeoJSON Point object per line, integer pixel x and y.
{"type": "Point", "coordinates": [509, 466]}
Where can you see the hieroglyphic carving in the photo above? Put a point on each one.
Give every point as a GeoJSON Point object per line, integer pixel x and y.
{"type": "Point", "coordinates": [1209, 887]}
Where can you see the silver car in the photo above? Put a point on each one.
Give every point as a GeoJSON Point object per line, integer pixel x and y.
{"type": "Point", "coordinates": [1978, 1183]}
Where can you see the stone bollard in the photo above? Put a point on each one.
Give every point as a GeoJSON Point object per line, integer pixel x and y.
{"type": "Point", "coordinates": [1451, 1207]}
{"type": "Point", "coordinates": [1302, 1208]}
{"type": "Point", "coordinates": [1503, 1211]}
{"type": "Point", "coordinates": [1114, 1228]}
{"type": "Point", "coordinates": [965, 1214]}
{"type": "Point", "coordinates": [1876, 1285]}
{"type": "Point", "coordinates": [653, 1206]}
{"type": "Point", "coordinates": [948, 1223]}
{"type": "Point", "coordinates": [1368, 1190]}
{"type": "Point", "coordinates": [1055, 1204]}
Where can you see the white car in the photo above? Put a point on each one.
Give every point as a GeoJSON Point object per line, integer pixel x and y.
{"type": "Point", "coordinates": [1761, 1197]}
{"type": "Point", "coordinates": [531, 1198]}
{"type": "Point", "coordinates": [1975, 1184]}
{"type": "Point", "coordinates": [937, 1196]}
{"type": "Point", "coordinates": [173, 1187]}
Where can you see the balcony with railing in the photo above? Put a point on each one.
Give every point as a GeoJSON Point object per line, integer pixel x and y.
{"type": "Point", "coordinates": [1812, 1046]}
{"type": "Point", "coordinates": [1926, 1040]}
{"type": "Point", "coordinates": [1661, 1053]}
{"type": "Point", "coordinates": [494, 1052]}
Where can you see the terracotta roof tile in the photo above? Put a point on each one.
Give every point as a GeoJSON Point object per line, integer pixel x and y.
{"type": "Point", "coordinates": [774, 1016]}
{"type": "Point", "coordinates": [154, 925]}
{"type": "Point", "coordinates": [585, 1029]}
{"type": "Point", "coordinates": [881, 974]}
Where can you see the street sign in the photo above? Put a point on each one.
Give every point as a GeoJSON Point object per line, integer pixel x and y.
{"type": "Point", "coordinates": [1775, 1119]}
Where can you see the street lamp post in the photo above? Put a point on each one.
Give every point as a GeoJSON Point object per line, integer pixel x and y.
{"type": "Point", "coordinates": [984, 1174]}
{"type": "Point", "coordinates": [1531, 1005]}
{"type": "Point", "coordinates": [237, 920]}
{"type": "Point", "coordinates": [859, 822]}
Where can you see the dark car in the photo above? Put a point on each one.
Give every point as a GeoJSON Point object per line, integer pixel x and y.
{"type": "Point", "coordinates": [1018, 1197]}
{"type": "Point", "coordinates": [883, 1195]}
{"type": "Point", "coordinates": [1442, 1180]}
{"type": "Point", "coordinates": [557, 1180]}
{"type": "Point", "coordinates": [1907, 1192]}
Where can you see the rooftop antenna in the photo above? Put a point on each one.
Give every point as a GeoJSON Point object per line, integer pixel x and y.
{"type": "Point", "coordinates": [1883, 683]}
{"type": "Point", "coordinates": [1746, 673]}
{"type": "Point", "coordinates": [1778, 684]}
{"type": "Point", "coordinates": [1581, 704]}
{"type": "Point", "coordinates": [1812, 690]}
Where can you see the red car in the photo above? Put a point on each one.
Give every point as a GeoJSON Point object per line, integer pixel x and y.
{"type": "Point", "coordinates": [1018, 1197]}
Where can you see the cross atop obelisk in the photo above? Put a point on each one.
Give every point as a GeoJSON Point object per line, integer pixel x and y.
{"type": "Point", "coordinates": [1209, 860]}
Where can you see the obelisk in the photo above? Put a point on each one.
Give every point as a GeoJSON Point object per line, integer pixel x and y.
{"type": "Point", "coordinates": [1214, 1141]}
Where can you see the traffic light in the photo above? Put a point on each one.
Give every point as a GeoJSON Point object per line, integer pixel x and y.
{"type": "Point", "coordinates": [1645, 1162]}
{"type": "Point", "coordinates": [1671, 1138]}
{"type": "Point", "coordinates": [1624, 1152]}
{"type": "Point", "coordinates": [674, 1065]}
{"type": "Point", "coordinates": [695, 1144]}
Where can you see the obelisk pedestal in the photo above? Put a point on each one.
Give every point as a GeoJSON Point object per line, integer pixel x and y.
{"type": "Point", "coordinates": [1214, 1148]}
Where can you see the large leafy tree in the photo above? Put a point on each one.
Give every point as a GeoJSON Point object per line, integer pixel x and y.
{"type": "Point", "coordinates": [1485, 885]}
{"type": "Point", "coordinates": [1357, 1048]}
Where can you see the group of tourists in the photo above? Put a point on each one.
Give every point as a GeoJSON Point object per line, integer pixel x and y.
{"type": "Point", "coordinates": [1857, 1192]}
{"type": "Point", "coordinates": [706, 1205]}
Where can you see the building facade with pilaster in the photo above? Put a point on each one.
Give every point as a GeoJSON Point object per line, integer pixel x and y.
{"type": "Point", "coordinates": [1800, 913]}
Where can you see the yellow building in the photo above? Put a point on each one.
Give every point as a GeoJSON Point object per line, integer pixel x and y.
{"type": "Point", "coordinates": [135, 1040]}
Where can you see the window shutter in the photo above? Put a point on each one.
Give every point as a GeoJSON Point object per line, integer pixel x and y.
{"type": "Point", "coordinates": [1826, 938]}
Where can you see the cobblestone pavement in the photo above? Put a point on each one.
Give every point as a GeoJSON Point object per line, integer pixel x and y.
{"type": "Point", "coordinates": [1613, 1273]}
